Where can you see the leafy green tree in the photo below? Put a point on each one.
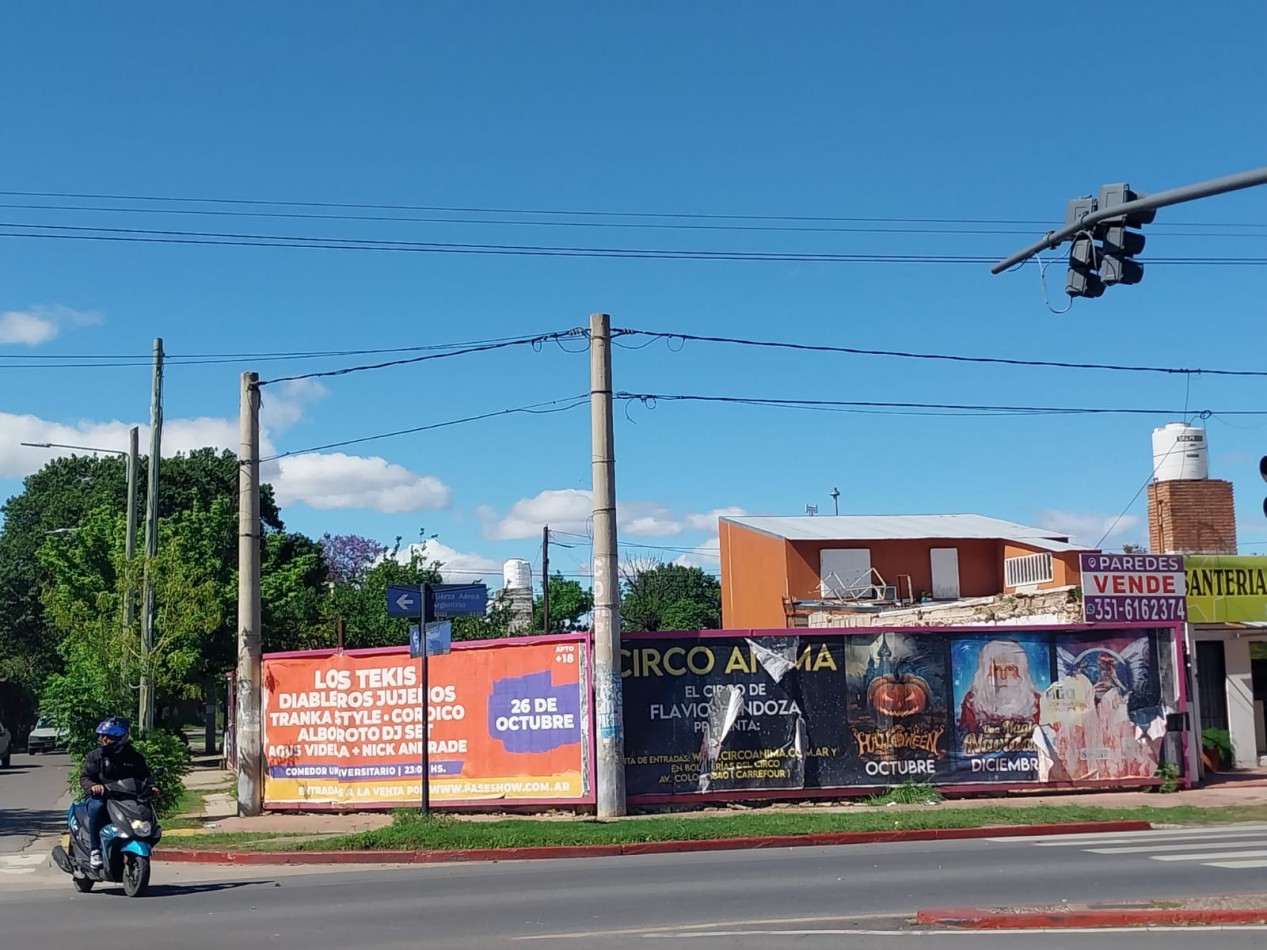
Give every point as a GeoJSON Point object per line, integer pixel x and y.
{"type": "Point", "coordinates": [658, 596]}
{"type": "Point", "coordinates": [53, 499]}
{"type": "Point", "coordinates": [360, 603]}
{"type": "Point", "coordinates": [570, 606]}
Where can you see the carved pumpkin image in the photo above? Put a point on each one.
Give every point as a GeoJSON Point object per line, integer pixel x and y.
{"type": "Point", "coordinates": [899, 694]}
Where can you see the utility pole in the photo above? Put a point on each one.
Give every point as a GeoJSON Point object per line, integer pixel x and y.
{"type": "Point", "coordinates": [545, 579]}
{"type": "Point", "coordinates": [129, 544]}
{"type": "Point", "coordinates": [247, 719]}
{"type": "Point", "coordinates": [608, 700]}
{"type": "Point", "coordinates": [146, 699]}
{"type": "Point", "coordinates": [835, 499]}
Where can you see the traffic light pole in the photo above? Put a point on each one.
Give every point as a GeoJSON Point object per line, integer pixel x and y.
{"type": "Point", "coordinates": [1162, 199]}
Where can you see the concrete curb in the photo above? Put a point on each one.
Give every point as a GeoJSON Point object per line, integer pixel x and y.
{"type": "Point", "coordinates": [974, 918]}
{"type": "Point", "coordinates": [220, 856]}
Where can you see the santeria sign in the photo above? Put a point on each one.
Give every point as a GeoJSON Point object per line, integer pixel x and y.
{"type": "Point", "coordinates": [1133, 587]}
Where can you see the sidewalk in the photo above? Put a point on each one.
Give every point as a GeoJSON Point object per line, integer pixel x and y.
{"type": "Point", "coordinates": [219, 812]}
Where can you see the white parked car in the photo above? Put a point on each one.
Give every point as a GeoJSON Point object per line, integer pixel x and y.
{"type": "Point", "coordinates": [45, 737]}
{"type": "Point", "coordinates": [6, 746]}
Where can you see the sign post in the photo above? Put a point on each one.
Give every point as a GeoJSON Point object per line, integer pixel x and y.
{"type": "Point", "coordinates": [425, 603]}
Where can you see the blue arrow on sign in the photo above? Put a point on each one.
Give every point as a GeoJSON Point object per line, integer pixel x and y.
{"type": "Point", "coordinates": [404, 602]}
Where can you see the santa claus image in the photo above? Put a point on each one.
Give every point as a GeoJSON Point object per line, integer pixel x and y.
{"type": "Point", "coordinates": [1002, 689]}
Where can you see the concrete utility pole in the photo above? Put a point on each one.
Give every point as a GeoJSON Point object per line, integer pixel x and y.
{"type": "Point", "coordinates": [545, 579]}
{"type": "Point", "coordinates": [146, 699]}
{"type": "Point", "coordinates": [247, 720]}
{"type": "Point", "coordinates": [608, 703]}
{"type": "Point", "coordinates": [129, 544]}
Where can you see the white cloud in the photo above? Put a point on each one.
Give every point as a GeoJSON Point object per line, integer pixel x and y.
{"type": "Point", "coordinates": [321, 480]}
{"type": "Point", "coordinates": [457, 566]}
{"type": "Point", "coordinates": [706, 555]}
{"type": "Point", "coordinates": [38, 325]}
{"type": "Point", "coordinates": [336, 480]}
{"type": "Point", "coordinates": [570, 509]}
{"type": "Point", "coordinates": [282, 405]}
{"type": "Point", "coordinates": [179, 435]}
{"type": "Point", "coordinates": [564, 509]}
{"type": "Point", "coordinates": [1092, 529]}
{"type": "Point", "coordinates": [707, 520]}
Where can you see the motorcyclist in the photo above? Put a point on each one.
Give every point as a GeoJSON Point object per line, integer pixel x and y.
{"type": "Point", "coordinates": [115, 759]}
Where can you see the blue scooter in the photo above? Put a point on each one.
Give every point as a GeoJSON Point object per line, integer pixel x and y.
{"type": "Point", "coordinates": [127, 839]}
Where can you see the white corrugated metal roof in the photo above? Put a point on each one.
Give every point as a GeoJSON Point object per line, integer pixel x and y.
{"type": "Point", "coordinates": [897, 527]}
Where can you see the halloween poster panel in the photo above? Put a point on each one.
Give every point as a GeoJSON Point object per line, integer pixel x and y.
{"type": "Point", "coordinates": [998, 682]}
{"type": "Point", "coordinates": [1102, 718]}
{"type": "Point", "coordinates": [717, 714]}
{"type": "Point", "coordinates": [897, 690]}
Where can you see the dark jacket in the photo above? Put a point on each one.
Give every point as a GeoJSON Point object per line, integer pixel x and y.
{"type": "Point", "coordinates": [101, 767]}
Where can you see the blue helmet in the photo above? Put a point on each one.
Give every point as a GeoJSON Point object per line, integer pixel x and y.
{"type": "Point", "coordinates": [113, 733]}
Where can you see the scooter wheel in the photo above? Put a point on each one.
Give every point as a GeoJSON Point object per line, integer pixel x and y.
{"type": "Point", "coordinates": [83, 884]}
{"type": "Point", "coordinates": [136, 875]}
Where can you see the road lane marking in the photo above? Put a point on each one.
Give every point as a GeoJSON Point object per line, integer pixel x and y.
{"type": "Point", "coordinates": [1150, 848]}
{"type": "Point", "coordinates": [708, 925]}
{"type": "Point", "coordinates": [1211, 856]}
{"type": "Point", "coordinates": [1233, 865]}
{"type": "Point", "coordinates": [1253, 828]}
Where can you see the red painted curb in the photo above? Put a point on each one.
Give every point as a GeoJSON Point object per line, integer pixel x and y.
{"type": "Point", "coordinates": [214, 856]}
{"type": "Point", "coordinates": [970, 918]}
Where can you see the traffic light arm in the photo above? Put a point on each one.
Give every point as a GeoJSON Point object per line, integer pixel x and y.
{"type": "Point", "coordinates": [1174, 196]}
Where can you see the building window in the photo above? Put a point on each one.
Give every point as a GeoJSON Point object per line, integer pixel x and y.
{"type": "Point", "coordinates": [1027, 570]}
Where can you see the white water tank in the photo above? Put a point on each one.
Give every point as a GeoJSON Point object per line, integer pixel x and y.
{"type": "Point", "coordinates": [517, 574]}
{"type": "Point", "coordinates": [1179, 452]}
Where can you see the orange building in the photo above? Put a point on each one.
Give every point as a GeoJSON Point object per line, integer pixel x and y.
{"type": "Point", "coordinates": [776, 570]}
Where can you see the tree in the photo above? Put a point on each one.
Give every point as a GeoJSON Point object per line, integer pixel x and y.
{"type": "Point", "coordinates": [361, 601]}
{"type": "Point", "coordinates": [87, 578]}
{"type": "Point", "coordinates": [55, 498]}
{"type": "Point", "coordinates": [570, 606]}
{"type": "Point", "coordinates": [349, 556]}
{"type": "Point", "coordinates": [198, 506]}
{"type": "Point", "coordinates": [658, 596]}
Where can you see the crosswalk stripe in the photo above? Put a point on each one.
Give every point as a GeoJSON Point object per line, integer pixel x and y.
{"type": "Point", "coordinates": [1051, 840]}
{"type": "Point", "coordinates": [1235, 865]}
{"type": "Point", "coordinates": [1150, 839]}
{"type": "Point", "coordinates": [1211, 856]}
{"type": "Point", "coordinates": [1161, 846]}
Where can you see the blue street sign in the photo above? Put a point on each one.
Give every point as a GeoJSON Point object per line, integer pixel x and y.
{"type": "Point", "coordinates": [439, 638]}
{"type": "Point", "coordinates": [455, 600]}
{"type": "Point", "coordinates": [404, 602]}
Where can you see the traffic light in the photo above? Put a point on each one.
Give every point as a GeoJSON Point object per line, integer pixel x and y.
{"type": "Point", "coordinates": [1119, 243]}
{"type": "Point", "coordinates": [1082, 279]}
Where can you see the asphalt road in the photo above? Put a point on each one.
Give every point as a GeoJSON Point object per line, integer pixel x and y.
{"type": "Point", "coordinates": [32, 800]}
{"type": "Point", "coordinates": [807, 897]}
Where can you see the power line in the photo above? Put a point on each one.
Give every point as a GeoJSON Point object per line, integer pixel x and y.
{"type": "Point", "coordinates": [231, 239]}
{"type": "Point", "coordinates": [481, 348]}
{"type": "Point", "coordinates": [668, 215]}
{"type": "Point", "coordinates": [912, 355]}
{"type": "Point", "coordinates": [540, 408]}
{"type": "Point", "coordinates": [873, 225]}
{"type": "Point", "coordinates": [840, 405]}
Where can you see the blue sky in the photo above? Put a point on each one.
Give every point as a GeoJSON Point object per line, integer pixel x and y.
{"type": "Point", "coordinates": [980, 112]}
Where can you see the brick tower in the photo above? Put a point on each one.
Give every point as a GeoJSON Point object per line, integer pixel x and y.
{"type": "Point", "coordinates": [1188, 512]}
